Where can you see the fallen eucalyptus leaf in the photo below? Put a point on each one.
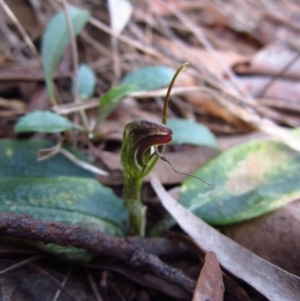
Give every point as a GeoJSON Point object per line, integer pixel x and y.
{"type": "Point", "coordinates": [273, 282]}
{"type": "Point", "coordinates": [247, 181]}
{"type": "Point", "coordinates": [190, 132]}
{"type": "Point", "coordinates": [56, 39]}
{"type": "Point", "coordinates": [44, 122]}
{"type": "Point", "coordinates": [149, 77]}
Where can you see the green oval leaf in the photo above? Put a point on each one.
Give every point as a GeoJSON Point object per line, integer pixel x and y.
{"type": "Point", "coordinates": [56, 39]}
{"type": "Point", "coordinates": [19, 159]}
{"type": "Point", "coordinates": [248, 180]}
{"type": "Point", "coordinates": [44, 122]}
{"type": "Point", "coordinates": [149, 78]}
{"type": "Point", "coordinates": [190, 132]}
{"type": "Point", "coordinates": [87, 81]}
{"type": "Point", "coordinates": [110, 100]}
{"type": "Point", "coordinates": [58, 190]}
{"type": "Point", "coordinates": [69, 200]}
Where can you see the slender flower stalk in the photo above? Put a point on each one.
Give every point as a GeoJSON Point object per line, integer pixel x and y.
{"type": "Point", "coordinates": [141, 139]}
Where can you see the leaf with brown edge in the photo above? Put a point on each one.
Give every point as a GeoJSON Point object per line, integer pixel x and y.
{"type": "Point", "coordinates": [210, 286]}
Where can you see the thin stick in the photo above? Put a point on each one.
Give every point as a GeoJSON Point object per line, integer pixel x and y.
{"type": "Point", "coordinates": [19, 26]}
{"type": "Point", "coordinates": [21, 263]}
{"type": "Point", "coordinates": [74, 51]}
{"type": "Point", "coordinates": [54, 280]}
{"type": "Point", "coordinates": [123, 249]}
{"type": "Point", "coordinates": [127, 40]}
{"type": "Point", "coordinates": [116, 60]}
{"type": "Point", "coordinates": [57, 294]}
{"type": "Point", "coordinates": [75, 62]}
{"type": "Point", "coordinates": [83, 164]}
{"type": "Point", "coordinates": [200, 36]}
{"type": "Point", "coordinates": [279, 74]}
{"type": "Point", "coordinates": [94, 287]}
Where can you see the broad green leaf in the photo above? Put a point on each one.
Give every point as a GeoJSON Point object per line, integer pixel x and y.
{"type": "Point", "coordinates": [44, 122]}
{"type": "Point", "coordinates": [70, 200]}
{"type": "Point", "coordinates": [190, 132]}
{"type": "Point", "coordinates": [56, 39]}
{"type": "Point", "coordinates": [19, 159]}
{"type": "Point", "coordinates": [110, 100]}
{"type": "Point", "coordinates": [149, 78]}
{"type": "Point", "coordinates": [247, 181]}
{"type": "Point", "coordinates": [58, 190]}
{"type": "Point", "coordinates": [87, 81]}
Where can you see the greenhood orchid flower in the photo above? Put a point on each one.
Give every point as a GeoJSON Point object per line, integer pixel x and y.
{"type": "Point", "coordinates": [141, 137]}
{"type": "Point", "coordinates": [143, 141]}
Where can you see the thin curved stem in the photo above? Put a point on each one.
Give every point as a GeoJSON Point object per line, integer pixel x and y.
{"type": "Point", "coordinates": [166, 104]}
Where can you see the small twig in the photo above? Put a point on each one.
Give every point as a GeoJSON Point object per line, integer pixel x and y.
{"type": "Point", "coordinates": [57, 294]}
{"type": "Point", "coordinates": [200, 36]}
{"type": "Point", "coordinates": [21, 263]}
{"type": "Point", "coordinates": [10, 36]}
{"type": "Point", "coordinates": [116, 60]}
{"type": "Point", "coordinates": [279, 74]}
{"type": "Point", "coordinates": [55, 281]}
{"type": "Point", "coordinates": [74, 50]}
{"type": "Point", "coordinates": [64, 109]}
{"type": "Point", "coordinates": [19, 26]}
{"type": "Point", "coordinates": [94, 43]}
{"type": "Point", "coordinates": [75, 62]}
{"type": "Point", "coordinates": [147, 261]}
{"type": "Point", "coordinates": [83, 164]}
{"type": "Point", "coordinates": [149, 50]}
{"type": "Point", "coordinates": [24, 226]}
{"type": "Point", "coordinates": [94, 287]}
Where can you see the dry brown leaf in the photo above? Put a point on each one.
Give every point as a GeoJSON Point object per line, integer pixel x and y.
{"type": "Point", "coordinates": [286, 89]}
{"type": "Point", "coordinates": [270, 280]}
{"type": "Point", "coordinates": [270, 60]}
{"type": "Point", "coordinates": [274, 237]}
{"type": "Point", "coordinates": [210, 107]}
{"type": "Point", "coordinates": [210, 284]}
{"type": "Point", "coordinates": [230, 141]}
{"type": "Point", "coordinates": [160, 9]}
{"type": "Point", "coordinates": [206, 59]}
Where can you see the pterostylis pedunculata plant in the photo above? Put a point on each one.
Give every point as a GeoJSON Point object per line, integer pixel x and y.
{"type": "Point", "coordinates": [143, 142]}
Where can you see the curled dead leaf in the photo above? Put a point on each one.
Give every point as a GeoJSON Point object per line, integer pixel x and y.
{"type": "Point", "coordinates": [210, 284]}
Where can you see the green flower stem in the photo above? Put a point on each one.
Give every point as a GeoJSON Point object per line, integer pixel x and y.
{"type": "Point", "coordinates": [137, 211]}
